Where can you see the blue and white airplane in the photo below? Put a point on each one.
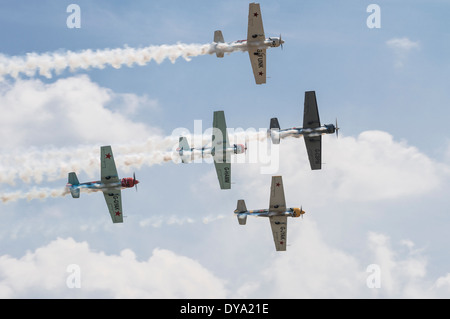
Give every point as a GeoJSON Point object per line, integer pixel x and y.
{"type": "Point", "coordinates": [110, 184]}
{"type": "Point", "coordinates": [311, 131]}
{"type": "Point", "coordinates": [277, 213]}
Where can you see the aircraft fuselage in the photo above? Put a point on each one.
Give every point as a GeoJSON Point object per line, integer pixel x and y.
{"type": "Point", "coordinates": [290, 212]}
{"type": "Point", "coordinates": [127, 182]}
{"type": "Point", "coordinates": [244, 45]}
{"type": "Point", "coordinates": [208, 151]}
{"type": "Point", "coordinates": [297, 132]}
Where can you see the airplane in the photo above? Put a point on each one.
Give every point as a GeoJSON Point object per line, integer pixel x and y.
{"type": "Point", "coordinates": [220, 150]}
{"type": "Point", "coordinates": [277, 213]}
{"type": "Point", "coordinates": [312, 130]}
{"type": "Point", "coordinates": [110, 184]}
{"type": "Point", "coordinates": [256, 43]}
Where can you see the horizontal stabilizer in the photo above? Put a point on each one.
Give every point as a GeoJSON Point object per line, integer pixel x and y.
{"type": "Point", "coordinates": [241, 206]}
{"type": "Point", "coordinates": [75, 192]}
{"type": "Point", "coordinates": [73, 179]}
{"type": "Point", "coordinates": [274, 124]}
{"type": "Point", "coordinates": [183, 145]}
{"type": "Point", "coordinates": [242, 219]}
{"type": "Point", "coordinates": [274, 130]}
{"type": "Point", "coordinates": [218, 38]}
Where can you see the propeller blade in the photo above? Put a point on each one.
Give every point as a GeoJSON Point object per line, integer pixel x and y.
{"type": "Point", "coordinates": [337, 129]}
{"type": "Point", "coordinates": [281, 42]}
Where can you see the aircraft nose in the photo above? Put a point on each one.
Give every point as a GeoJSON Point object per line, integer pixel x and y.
{"type": "Point", "coordinates": [136, 182]}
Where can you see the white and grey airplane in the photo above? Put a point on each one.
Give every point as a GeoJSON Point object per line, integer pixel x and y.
{"type": "Point", "coordinates": [312, 131]}
{"type": "Point", "coordinates": [256, 43]}
{"type": "Point", "coordinates": [220, 150]}
{"type": "Point", "coordinates": [277, 213]}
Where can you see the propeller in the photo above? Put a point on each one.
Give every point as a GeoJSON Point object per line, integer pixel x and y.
{"type": "Point", "coordinates": [134, 181]}
{"type": "Point", "coordinates": [281, 42]}
{"type": "Point", "coordinates": [246, 144]}
{"type": "Point", "coordinates": [337, 129]}
{"type": "Point", "coordinates": [301, 210]}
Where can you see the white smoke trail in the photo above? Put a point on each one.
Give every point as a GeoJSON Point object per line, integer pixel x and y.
{"type": "Point", "coordinates": [46, 63]}
{"type": "Point", "coordinates": [35, 165]}
{"type": "Point", "coordinates": [35, 193]}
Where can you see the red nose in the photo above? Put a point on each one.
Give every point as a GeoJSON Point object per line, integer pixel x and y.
{"type": "Point", "coordinates": [136, 182]}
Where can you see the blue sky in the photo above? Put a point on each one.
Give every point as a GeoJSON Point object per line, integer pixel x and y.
{"type": "Point", "coordinates": [380, 198]}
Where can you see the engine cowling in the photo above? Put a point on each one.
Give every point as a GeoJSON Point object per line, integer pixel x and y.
{"type": "Point", "coordinates": [129, 182]}
{"type": "Point", "coordinates": [239, 148]}
{"type": "Point", "coordinates": [298, 212]}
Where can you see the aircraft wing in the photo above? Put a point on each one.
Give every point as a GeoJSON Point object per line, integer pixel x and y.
{"type": "Point", "coordinates": [314, 149]}
{"type": "Point", "coordinates": [223, 171]}
{"type": "Point", "coordinates": [222, 159]}
{"type": "Point", "coordinates": [220, 139]}
{"type": "Point", "coordinates": [255, 31]}
{"type": "Point", "coordinates": [258, 61]}
{"type": "Point", "coordinates": [279, 231]}
{"type": "Point", "coordinates": [108, 166]}
{"type": "Point", "coordinates": [311, 112]}
{"type": "Point", "coordinates": [114, 202]}
{"type": "Point", "coordinates": [277, 202]}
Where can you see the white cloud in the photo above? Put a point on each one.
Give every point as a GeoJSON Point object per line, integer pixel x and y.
{"type": "Point", "coordinates": [369, 167]}
{"type": "Point", "coordinates": [313, 268]}
{"type": "Point", "coordinates": [68, 111]}
{"type": "Point", "coordinates": [402, 44]}
{"type": "Point", "coordinates": [401, 48]}
{"type": "Point", "coordinates": [43, 273]}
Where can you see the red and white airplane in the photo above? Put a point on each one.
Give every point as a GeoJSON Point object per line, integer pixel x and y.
{"type": "Point", "coordinates": [256, 43]}
{"type": "Point", "coordinates": [110, 184]}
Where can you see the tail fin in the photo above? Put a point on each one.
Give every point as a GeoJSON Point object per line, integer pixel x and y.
{"type": "Point", "coordinates": [218, 38]}
{"type": "Point", "coordinates": [241, 208]}
{"type": "Point", "coordinates": [183, 146]}
{"type": "Point", "coordinates": [274, 130]}
{"type": "Point", "coordinates": [73, 180]}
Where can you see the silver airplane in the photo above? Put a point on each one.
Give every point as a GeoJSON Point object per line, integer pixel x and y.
{"type": "Point", "coordinates": [311, 131]}
{"type": "Point", "coordinates": [277, 213]}
{"type": "Point", "coordinates": [256, 43]}
{"type": "Point", "coordinates": [220, 150]}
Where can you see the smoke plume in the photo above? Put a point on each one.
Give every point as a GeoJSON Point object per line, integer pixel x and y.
{"type": "Point", "coordinates": [55, 62]}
